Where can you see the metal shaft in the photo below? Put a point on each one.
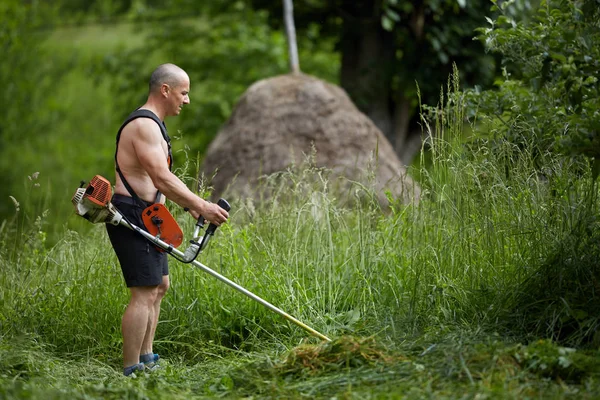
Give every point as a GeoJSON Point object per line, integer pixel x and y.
{"type": "Point", "coordinates": [172, 250]}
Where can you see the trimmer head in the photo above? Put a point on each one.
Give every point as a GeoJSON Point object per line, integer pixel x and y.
{"type": "Point", "coordinates": [93, 202]}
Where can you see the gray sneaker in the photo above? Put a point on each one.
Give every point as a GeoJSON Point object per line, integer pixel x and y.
{"type": "Point", "coordinates": [151, 366]}
{"type": "Point", "coordinates": [150, 362]}
{"type": "Point", "coordinates": [130, 371]}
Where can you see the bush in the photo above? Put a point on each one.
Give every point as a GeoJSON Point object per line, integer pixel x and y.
{"type": "Point", "coordinates": [549, 93]}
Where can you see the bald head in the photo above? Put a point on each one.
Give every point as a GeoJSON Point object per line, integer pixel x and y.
{"type": "Point", "coordinates": [170, 74]}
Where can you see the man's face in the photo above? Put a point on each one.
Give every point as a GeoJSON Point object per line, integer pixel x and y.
{"type": "Point", "coordinates": [179, 95]}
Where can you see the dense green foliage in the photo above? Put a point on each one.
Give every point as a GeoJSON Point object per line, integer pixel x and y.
{"type": "Point", "coordinates": [25, 90]}
{"type": "Point", "coordinates": [55, 119]}
{"type": "Point", "coordinates": [549, 94]}
{"type": "Point", "coordinates": [427, 37]}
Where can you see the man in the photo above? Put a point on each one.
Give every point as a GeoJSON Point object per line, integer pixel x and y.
{"type": "Point", "coordinates": [142, 160]}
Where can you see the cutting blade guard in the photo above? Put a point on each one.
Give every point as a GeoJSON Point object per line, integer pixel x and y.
{"type": "Point", "coordinates": [160, 223]}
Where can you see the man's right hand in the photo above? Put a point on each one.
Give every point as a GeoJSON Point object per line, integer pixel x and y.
{"type": "Point", "coordinates": [213, 213]}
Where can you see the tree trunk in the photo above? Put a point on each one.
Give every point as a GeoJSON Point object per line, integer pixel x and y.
{"type": "Point", "coordinates": [367, 70]}
{"type": "Point", "coordinates": [290, 32]}
{"type": "Point", "coordinates": [401, 123]}
{"type": "Point", "coordinates": [367, 59]}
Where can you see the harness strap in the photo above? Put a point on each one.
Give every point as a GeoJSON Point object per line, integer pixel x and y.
{"type": "Point", "coordinates": [163, 129]}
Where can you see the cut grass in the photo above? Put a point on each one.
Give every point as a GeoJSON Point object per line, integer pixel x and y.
{"type": "Point", "coordinates": [340, 353]}
{"type": "Point", "coordinates": [350, 367]}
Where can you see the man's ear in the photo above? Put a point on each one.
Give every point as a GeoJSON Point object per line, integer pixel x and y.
{"type": "Point", "coordinates": [164, 89]}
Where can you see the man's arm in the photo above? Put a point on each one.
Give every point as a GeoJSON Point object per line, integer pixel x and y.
{"type": "Point", "coordinates": [147, 144]}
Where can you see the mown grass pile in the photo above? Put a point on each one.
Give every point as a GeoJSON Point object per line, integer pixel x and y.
{"type": "Point", "coordinates": [501, 246]}
{"type": "Point", "coordinates": [450, 367]}
{"type": "Point", "coordinates": [342, 352]}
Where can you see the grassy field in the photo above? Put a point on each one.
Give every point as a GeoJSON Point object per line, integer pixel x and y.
{"type": "Point", "coordinates": [486, 288]}
{"type": "Point", "coordinates": [451, 368]}
{"type": "Point", "coordinates": [421, 300]}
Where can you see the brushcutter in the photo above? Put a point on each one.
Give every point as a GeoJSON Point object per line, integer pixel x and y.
{"type": "Point", "coordinates": [93, 203]}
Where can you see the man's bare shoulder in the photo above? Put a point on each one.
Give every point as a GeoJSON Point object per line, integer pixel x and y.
{"type": "Point", "coordinates": [143, 128]}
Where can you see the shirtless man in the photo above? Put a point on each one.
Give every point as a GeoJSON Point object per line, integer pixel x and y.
{"type": "Point", "coordinates": [143, 177]}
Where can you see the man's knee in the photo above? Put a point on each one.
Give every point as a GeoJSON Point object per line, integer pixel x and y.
{"type": "Point", "coordinates": [145, 295]}
{"type": "Point", "coordinates": [163, 287]}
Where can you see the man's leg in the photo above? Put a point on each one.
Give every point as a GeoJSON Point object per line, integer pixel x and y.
{"type": "Point", "coordinates": [134, 324]}
{"type": "Point", "coordinates": [152, 322]}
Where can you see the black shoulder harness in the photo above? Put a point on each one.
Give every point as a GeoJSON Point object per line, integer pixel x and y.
{"type": "Point", "coordinates": [163, 129]}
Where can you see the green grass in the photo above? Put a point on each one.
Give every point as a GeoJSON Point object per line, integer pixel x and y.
{"type": "Point", "coordinates": [445, 298]}
{"type": "Point", "coordinates": [430, 367]}
{"type": "Point", "coordinates": [438, 287]}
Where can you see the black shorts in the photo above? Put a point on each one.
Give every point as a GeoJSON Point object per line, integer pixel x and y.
{"type": "Point", "coordinates": [141, 262]}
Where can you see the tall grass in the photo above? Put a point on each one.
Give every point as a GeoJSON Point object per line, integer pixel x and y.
{"type": "Point", "coordinates": [468, 255]}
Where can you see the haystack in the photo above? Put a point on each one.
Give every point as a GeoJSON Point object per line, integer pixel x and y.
{"type": "Point", "coordinates": [280, 120]}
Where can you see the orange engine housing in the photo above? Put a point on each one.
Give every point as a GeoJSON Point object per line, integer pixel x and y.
{"type": "Point", "coordinates": [99, 191]}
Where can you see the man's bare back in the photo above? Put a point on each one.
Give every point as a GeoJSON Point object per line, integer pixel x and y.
{"type": "Point", "coordinates": [140, 137]}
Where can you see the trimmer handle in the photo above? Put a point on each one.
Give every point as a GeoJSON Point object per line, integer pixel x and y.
{"type": "Point", "coordinates": [212, 227]}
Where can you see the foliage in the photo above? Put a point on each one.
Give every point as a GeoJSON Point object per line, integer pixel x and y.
{"type": "Point", "coordinates": [449, 27]}
{"type": "Point", "coordinates": [545, 358]}
{"type": "Point", "coordinates": [548, 101]}
{"type": "Point", "coordinates": [425, 39]}
{"type": "Point", "coordinates": [549, 95]}
{"type": "Point", "coordinates": [25, 81]}
{"type": "Point", "coordinates": [224, 46]}
{"type": "Point", "coordinates": [82, 10]}
{"type": "Point", "coordinates": [568, 264]}
{"type": "Point", "coordinates": [54, 119]}
{"type": "Point", "coordinates": [570, 270]}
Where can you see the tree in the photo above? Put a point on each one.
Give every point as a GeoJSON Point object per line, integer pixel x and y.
{"type": "Point", "coordinates": [550, 83]}
{"type": "Point", "coordinates": [387, 47]}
